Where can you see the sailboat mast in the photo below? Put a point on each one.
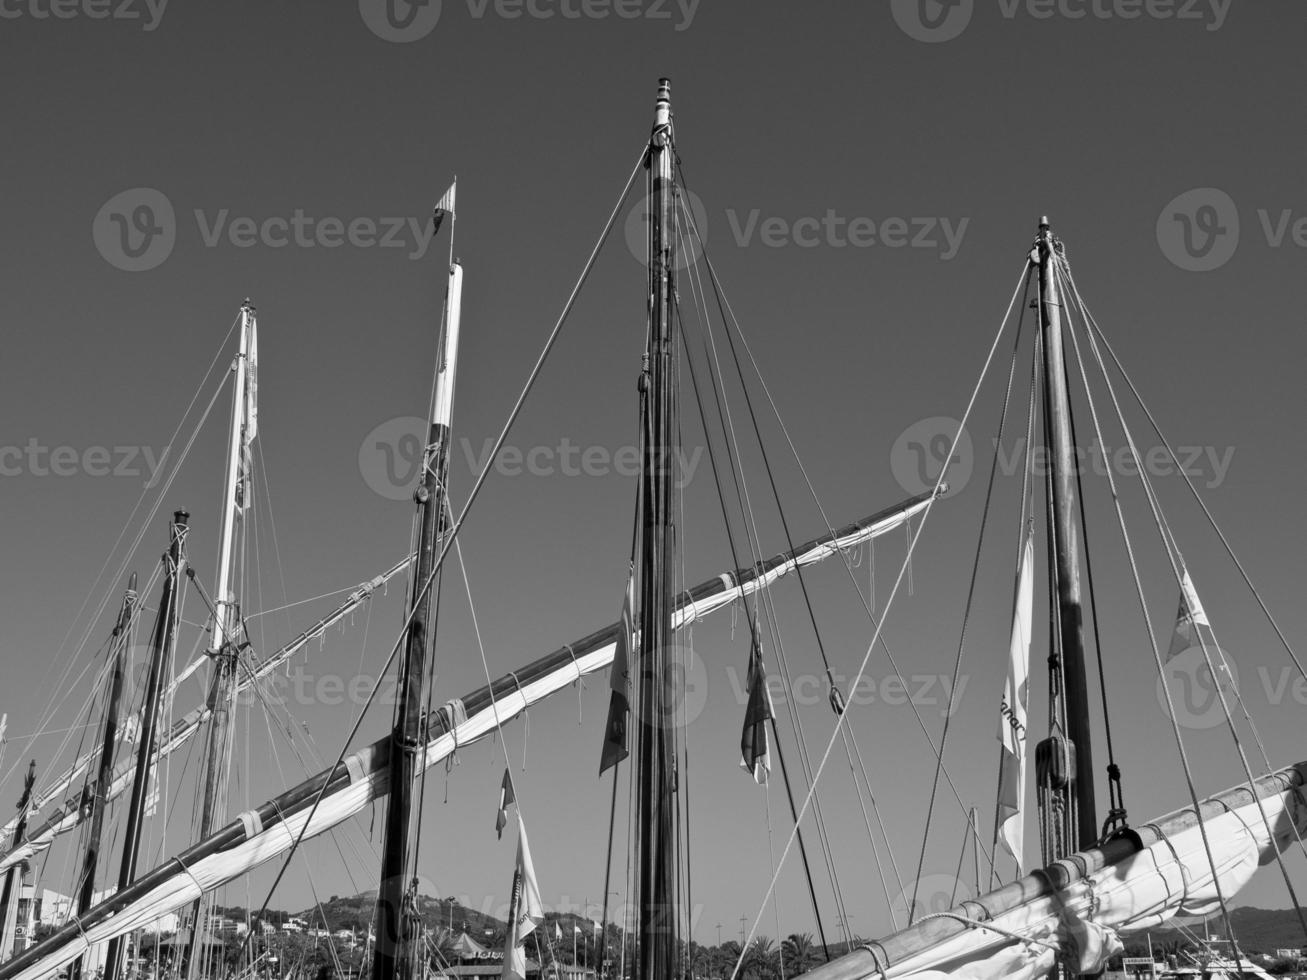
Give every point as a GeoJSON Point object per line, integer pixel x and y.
{"type": "Point", "coordinates": [1069, 620]}
{"type": "Point", "coordinates": [162, 646]}
{"type": "Point", "coordinates": [223, 647]}
{"type": "Point", "coordinates": [104, 776]}
{"type": "Point", "coordinates": [655, 750]}
{"type": "Point", "coordinates": [13, 891]}
{"type": "Point", "coordinates": [397, 940]}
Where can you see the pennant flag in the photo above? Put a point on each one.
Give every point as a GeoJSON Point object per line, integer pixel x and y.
{"type": "Point", "coordinates": [1012, 710]}
{"type": "Point", "coordinates": [443, 207]}
{"type": "Point", "coordinates": [755, 750]}
{"type": "Point", "coordinates": [526, 910]}
{"type": "Point", "coordinates": [576, 928]}
{"type": "Point", "coordinates": [506, 799]}
{"type": "Point", "coordinates": [619, 702]}
{"type": "Point", "coordinates": [1190, 621]}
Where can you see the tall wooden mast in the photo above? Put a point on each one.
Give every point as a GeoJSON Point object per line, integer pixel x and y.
{"type": "Point", "coordinates": [16, 876]}
{"type": "Point", "coordinates": [163, 645]}
{"type": "Point", "coordinates": [104, 777]}
{"type": "Point", "coordinates": [657, 693]}
{"type": "Point", "coordinates": [1068, 623]}
{"type": "Point", "coordinates": [396, 949]}
{"type": "Point", "coordinates": [224, 643]}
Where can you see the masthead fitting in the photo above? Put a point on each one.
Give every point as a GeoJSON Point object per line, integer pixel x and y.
{"type": "Point", "coordinates": [1043, 223]}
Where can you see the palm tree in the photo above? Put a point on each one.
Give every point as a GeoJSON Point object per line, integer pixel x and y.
{"type": "Point", "coordinates": [760, 961]}
{"type": "Point", "coordinates": [800, 953]}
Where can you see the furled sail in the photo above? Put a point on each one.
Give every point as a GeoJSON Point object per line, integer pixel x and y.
{"type": "Point", "coordinates": [1076, 908]}
{"type": "Point", "coordinates": [71, 813]}
{"type": "Point", "coordinates": [260, 834]}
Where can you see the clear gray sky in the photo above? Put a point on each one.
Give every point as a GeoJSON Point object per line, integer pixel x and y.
{"type": "Point", "coordinates": [870, 185]}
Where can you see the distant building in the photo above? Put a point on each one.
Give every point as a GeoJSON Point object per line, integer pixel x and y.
{"type": "Point", "coordinates": [476, 962]}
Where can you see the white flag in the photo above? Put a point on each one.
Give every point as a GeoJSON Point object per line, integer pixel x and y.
{"type": "Point", "coordinates": [526, 910]}
{"type": "Point", "coordinates": [1012, 723]}
{"type": "Point", "coordinates": [444, 207]}
{"type": "Point", "coordinates": [1189, 620]}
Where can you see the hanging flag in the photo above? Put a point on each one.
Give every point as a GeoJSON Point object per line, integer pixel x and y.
{"type": "Point", "coordinates": [619, 702]}
{"type": "Point", "coordinates": [1190, 621]}
{"type": "Point", "coordinates": [526, 910]}
{"type": "Point", "coordinates": [443, 207]}
{"type": "Point", "coordinates": [506, 799]}
{"type": "Point", "coordinates": [558, 931]}
{"type": "Point", "coordinates": [755, 751]}
{"type": "Point", "coordinates": [1012, 709]}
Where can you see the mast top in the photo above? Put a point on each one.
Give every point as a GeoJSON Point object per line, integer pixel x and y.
{"type": "Point", "coordinates": [247, 306]}
{"type": "Point", "coordinates": [663, 107]}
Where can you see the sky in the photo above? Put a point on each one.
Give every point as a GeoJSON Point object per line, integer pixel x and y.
{"type": "Point", "coordinates": [870, 176]}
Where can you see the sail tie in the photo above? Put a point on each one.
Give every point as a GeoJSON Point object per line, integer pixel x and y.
{"type": "Point", "coordinates": [579, 682]}
{"type": "Point", "coordinates": [252, 824]}
{"type": "Point", "coordinates": [526, 717]}
{"type": "Point", "coordinates": [976, 924]}
{"type": "Point", "coordinates": [453, 714]}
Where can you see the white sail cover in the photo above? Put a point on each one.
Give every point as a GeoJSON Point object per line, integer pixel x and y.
{"type": "Point", "coordinates": [1009, 932]}
{"type": "Point", "coordinates": [369, 777]}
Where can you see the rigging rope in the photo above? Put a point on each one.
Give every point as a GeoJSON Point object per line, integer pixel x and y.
{"type": "Point", "coordinates": [1161, 673]}
{"type": "Point", "coordinates": [1178, 570]}
{"type": "Point", "coordinates": [724, 301]}
{"type": "Point", "coordinates": [452, 535]}
{"type": "Point", "coordinates": [971, 596]}
{"type": "Point", "coordinates": [730, 537]}
{"type": "Point", "coordinates": [862, 667]}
